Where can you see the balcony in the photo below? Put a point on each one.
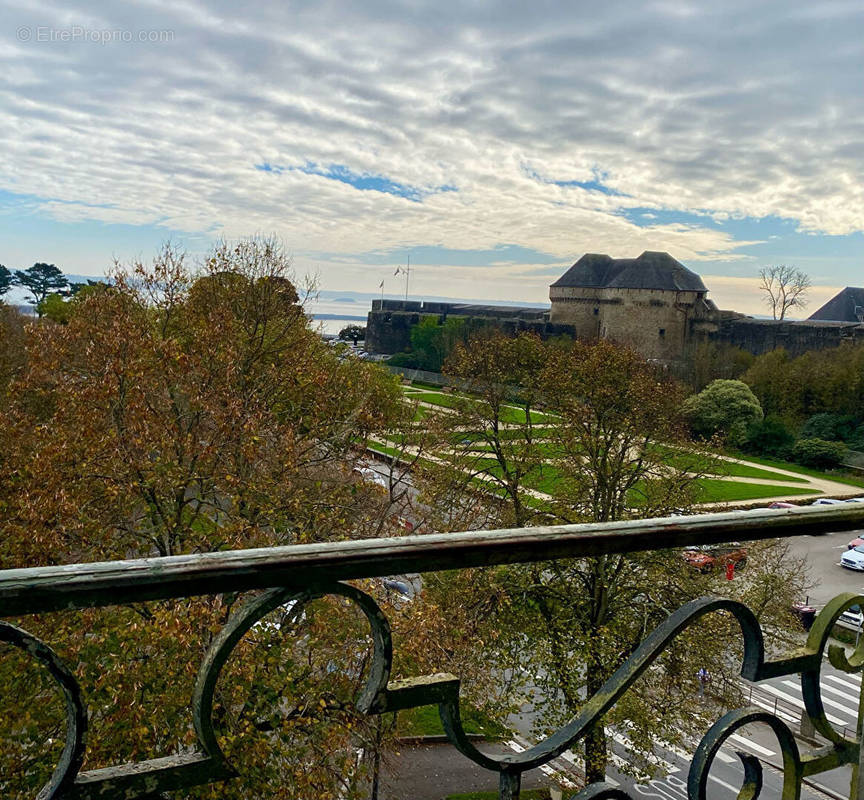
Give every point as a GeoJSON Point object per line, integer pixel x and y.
{"type": "Point", "coordinates": [278, 576]}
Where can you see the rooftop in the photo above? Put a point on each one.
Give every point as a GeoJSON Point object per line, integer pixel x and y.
{"type": "Point", "coordinates": [651, 270]}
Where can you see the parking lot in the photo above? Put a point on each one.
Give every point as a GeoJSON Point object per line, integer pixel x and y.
{"type": "Point", "coordinates": [823, 555]}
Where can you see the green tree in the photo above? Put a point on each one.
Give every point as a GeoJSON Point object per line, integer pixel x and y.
{"type": "Point", "coordinates": [41, 280]}
{"type": "Point", "coordinates": [725, 408]}
{"type": "Point", "coordinates": [55, 308]}
{"type": "Point", "coordinates": [770, 437]}
{"type": "Point", "coordinates": [353, 333]}
{"type": "Point", "coordinates": [7, 281]}
{"type": "Point", "coordinates": [432, 342]}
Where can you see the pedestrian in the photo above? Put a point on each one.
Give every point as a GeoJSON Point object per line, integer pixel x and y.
{"type": "Point", "coordinates": [704, 679]}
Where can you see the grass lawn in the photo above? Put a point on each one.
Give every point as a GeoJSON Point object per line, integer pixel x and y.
{"type": "Point", "coordinates": [714, 490]}
{"type": "Point", "coordinates": [843, 477]}
{"type": "Point", "coordinates": [525, 794]}
{"type": "Point", "coordinates": [425, 721]}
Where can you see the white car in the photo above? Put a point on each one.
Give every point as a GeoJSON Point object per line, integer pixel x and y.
{"type": "Point", "coordinates": [854, 558]}
{"type": "Point", "coordinates": [851, 618]}
{"type": "Point", "coordinates": [827, 501]}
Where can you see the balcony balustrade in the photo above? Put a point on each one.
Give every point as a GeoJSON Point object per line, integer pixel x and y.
{"type": "Point", "coordinates": [280, 575]}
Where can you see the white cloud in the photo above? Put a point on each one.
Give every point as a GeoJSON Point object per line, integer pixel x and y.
{"type": "Point", "coordinates": [728, 109]}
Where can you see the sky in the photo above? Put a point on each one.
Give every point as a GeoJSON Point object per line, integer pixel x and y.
{"type": "Point", "coordinates": [492, 143]}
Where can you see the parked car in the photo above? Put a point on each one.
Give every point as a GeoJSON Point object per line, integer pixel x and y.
{"type": "Point", "coordinates": [854, 558]}
{"type": "Point", "coordinates": [856, 542]}
{"type": "Point", "coordinates": [827, 501]}
{"type": "Point", "coordinates": [782, 504]}
{"type": "Point", "coordinates": [852, 617]}
{"type": "Point", "coordinates": [855, 500]}
{"type": "Point", "coordinates": [706, 557]}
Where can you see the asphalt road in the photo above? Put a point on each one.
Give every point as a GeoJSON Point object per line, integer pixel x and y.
{"type": "Point", "coordinates": [823, 558]}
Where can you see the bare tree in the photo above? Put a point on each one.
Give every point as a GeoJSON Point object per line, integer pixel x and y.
{"type": "Point", "coordinates": [785, 287]}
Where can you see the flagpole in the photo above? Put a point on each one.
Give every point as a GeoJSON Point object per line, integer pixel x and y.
{"type": "Point", "coordinates": [407, 276]}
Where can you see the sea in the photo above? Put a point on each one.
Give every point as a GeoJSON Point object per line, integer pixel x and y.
{"type": "Point", "coordinates": [333, 310]}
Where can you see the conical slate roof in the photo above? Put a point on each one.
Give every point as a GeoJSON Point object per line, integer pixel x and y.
{"type": "Point", "coordinates": [845, 306]}
{"type": "Point", "coordinates": [651, 270]}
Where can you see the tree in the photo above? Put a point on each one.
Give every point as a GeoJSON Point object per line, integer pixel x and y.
{"type": "Point", "coordinates": [183, 413]}
{"type": "Point", "coordinates": [353, 333]}
{"type": "Point", "coordinates": [784, 287]}
{"type": "Point", "coordinates": [7, 281]}
{"type": "Point", "coordinates": [41, 280]}
{"type": "Point", "coordinates": [724, 408]}
{"type": "Point", "coordinates": [488, 446]}
{"type": "Point", "coordinates": [578, 432]}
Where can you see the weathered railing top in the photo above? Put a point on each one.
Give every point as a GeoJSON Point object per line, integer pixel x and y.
{"type": "Point", "coordinates": [38, 589]}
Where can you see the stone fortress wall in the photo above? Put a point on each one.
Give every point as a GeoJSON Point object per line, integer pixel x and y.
{"type": "Point", "coordinates": [651, 303]}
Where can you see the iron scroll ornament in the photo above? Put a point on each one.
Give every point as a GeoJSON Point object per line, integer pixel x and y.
{"type": "Point", "coordinates": [208, 764]}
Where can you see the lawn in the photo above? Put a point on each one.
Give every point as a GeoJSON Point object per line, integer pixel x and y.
{"type": "Point", "coordinates": [714, 490]}
{"type": "Point", "coordinates": [425, 721]}
{"type": "Point", "coordinates": [843, 477]}
{"type": "Point", "coordinates": [711, 489]}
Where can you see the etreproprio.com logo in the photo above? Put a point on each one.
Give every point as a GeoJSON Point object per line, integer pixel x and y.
{"type": "Point", "coordinates": [78, 33]}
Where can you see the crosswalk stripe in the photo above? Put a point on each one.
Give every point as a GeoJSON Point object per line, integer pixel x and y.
{"type": "Point", "coordinates": [752, 745]}
{"type": "Point", "coordinates": [728, 786]}
{"type": "Point", "coordinates": [725, 758]}
{"type": "Point", "coordinates": [825, 700]}
{"type": "Point", "coordinates": [521, 745]}
{"type": "Point", "coordinates": [851, 685]}
{"type": "Point", "coordinates": [785, 715]}
{"type": "Point", "coordinates": [652, 758]}
{"type": "Point", "coordinates": [830, 689]}
{"type": "Point", "coordinates": [798, 703]}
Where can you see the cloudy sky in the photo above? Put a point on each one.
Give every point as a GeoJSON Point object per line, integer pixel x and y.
{"type": "Point", "coordinates": [493, 142]}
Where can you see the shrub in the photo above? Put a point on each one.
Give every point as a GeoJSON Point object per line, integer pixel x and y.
{"type": "Point", "coordinates": [818, 453]}
{"type": "Point", "coordinates": [829, 427]}
{"type": "Point", "coordinates": [769, 437]}
{"type": "Point", "coordinates": [723, 407]}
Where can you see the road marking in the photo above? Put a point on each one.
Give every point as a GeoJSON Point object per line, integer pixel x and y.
{"type": "Point", "coordinates": [827, 701]}
{"type": "Point", "coordinates": [798, 703]}
{"type": "Point", "coordinates": [752, 745]}
{"type": "Point", "coordinates": [665, 790]}
{"type": "Point", "coordinates": [832, 690]}
{"type": "Point", "coordinates": [770, 707]}
{"type": "Point", "coordinates": [728, 786]}
{"type": "Point", "coordinates": [518, 747]}
{"type": "Point", "coordinates": [846, 684]}
{"type": "Point", "coordinates": [651, 758]}
{"type": "Point", "coordinates": [726, 759]}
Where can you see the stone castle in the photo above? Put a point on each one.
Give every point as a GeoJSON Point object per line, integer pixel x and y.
{"type": "Point", "coordinates": [652, 303]}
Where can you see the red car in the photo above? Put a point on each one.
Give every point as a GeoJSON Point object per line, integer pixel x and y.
{"type": "Point", "coordinates": [708, 556]}
{"type": "Point", "coordinates": [855, 543]}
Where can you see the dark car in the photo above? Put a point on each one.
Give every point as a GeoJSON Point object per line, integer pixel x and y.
{"type": "Point", "coordinates": [708, 556]}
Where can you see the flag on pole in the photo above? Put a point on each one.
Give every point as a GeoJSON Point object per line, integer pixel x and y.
{"type": "Point", "coordinates": [381, 285]}
{"type": "Point", "coordinates": [398, 270]}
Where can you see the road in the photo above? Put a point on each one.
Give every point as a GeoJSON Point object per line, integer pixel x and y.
{"type": "Point", "coordinates": [782, 696]}
{"type": "Point", "coordinates": [823, 558]}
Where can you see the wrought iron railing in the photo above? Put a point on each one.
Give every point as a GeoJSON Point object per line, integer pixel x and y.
{"type": "Point", "coordinates": [309, 571]}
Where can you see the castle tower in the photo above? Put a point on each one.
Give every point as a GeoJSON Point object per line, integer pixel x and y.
{"type": "Point", "coordinates": [647, 302]}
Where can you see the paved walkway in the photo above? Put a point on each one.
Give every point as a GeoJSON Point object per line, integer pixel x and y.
{"type": "Point", "coordinates": [433, 771]}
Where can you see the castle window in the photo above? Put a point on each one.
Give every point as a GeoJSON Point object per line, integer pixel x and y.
{"type": "Point", "coordinates": [662, 332]}
{"type": "Point", "coordinates": [596, 311]}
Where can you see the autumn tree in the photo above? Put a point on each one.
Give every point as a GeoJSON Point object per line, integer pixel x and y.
{"type": "Point", "coordinates": [489, 443]}
{"type": "Point", "coordinates": [184, 412]}
{"type": "Point", "coordinates": [613, 446]}
{"type": "Point", "coordinates": [784, 287]}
